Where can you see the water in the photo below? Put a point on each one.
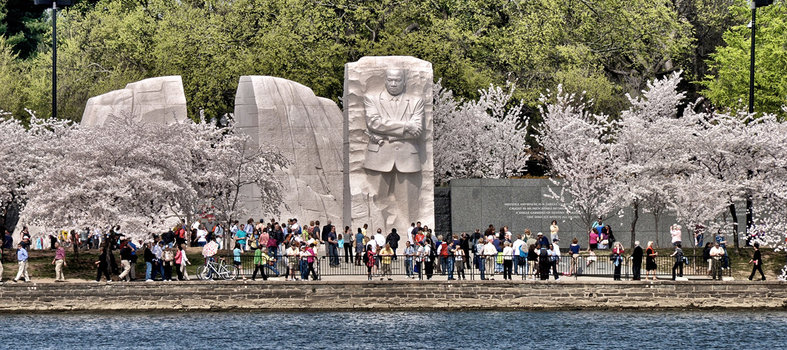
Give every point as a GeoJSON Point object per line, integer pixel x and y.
{"type": "Point", "coordinates": [399, 330]}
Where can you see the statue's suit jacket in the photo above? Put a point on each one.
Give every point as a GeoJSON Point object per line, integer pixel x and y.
{"type": "Point", "coordinates": [389, 146]}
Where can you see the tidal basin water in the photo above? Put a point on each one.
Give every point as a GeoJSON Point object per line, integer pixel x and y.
{"type": "Point", "coordinates": [399, 330]}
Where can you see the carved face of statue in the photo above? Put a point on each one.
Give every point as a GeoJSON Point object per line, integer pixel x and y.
{"type": "Point", "coordinates": [394, 81]}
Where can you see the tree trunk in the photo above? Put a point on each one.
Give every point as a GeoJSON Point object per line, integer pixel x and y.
{"type": "Point", "coordinates": [734, 225]}
{"type": "Point", "coordinates": [634, 224]}
{"type": "Point", "coordinates": [749, 217]}
{"type": "Point", "coordinates": [75, 244]}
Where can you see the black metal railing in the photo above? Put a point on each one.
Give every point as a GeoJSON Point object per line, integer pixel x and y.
{"type": "Point", "coordinates": [600, 265]}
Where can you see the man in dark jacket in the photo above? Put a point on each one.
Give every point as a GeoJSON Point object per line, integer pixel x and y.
{"type": "Point", "coordinates": [464, 244]}
{"type": "Point", "coordinates": [393, 240]}
{"type": "Point", "coordinates": [325, 230]}
{"type": "Point", "coordinates": [636, 260]}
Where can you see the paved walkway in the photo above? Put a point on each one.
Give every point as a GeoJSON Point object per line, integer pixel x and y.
{"type": "Point", "coordinates": [498, 278]}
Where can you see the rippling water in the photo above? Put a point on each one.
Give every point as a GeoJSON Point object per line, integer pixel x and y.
{"type": "Point", "coordinates": [399, 330]}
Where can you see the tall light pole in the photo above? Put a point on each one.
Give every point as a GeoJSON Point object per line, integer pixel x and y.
{"type": "Point", "coordinates": [753, 5]}
{"type": "Point", "coordinates": [54, 3]}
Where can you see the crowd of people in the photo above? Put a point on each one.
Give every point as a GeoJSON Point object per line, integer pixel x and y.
{"type": "Point", "coordinates": [296, 249]}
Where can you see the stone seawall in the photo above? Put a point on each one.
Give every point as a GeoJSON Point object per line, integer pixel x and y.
{"type": "Point", "coordinates": [388, 296]}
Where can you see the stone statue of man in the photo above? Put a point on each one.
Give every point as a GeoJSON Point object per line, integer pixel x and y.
{"type": "Point", "coordinates": [393, 156]}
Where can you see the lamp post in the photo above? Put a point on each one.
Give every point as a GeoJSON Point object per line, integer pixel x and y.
{"type": "Point", "coordinates": [54, 4]}
{"type": "Point", "coordinates": [753, 5]}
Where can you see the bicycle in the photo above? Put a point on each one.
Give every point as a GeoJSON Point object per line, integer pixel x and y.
{"type": "Point", "coordinates": [219, 269]}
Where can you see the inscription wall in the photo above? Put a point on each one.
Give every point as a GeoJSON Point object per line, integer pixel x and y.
{"type": "Point", "coordinates": [521, 204]}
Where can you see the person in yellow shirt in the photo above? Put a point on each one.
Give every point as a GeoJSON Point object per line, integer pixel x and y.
{"type": "Point", "coordinates": [385, 263]}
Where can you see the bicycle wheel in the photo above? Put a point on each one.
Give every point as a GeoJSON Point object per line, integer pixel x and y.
{"type": "Point", "coordinates": [233, 272]}
{"type": "Point", "coordinates": [201, 272]}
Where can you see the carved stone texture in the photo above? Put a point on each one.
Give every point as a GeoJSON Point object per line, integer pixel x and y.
{"type": "Point", "coordinates": [388, 142]}
{"type": "Point", "coordinates": [308, 130]}
{"type": "Point", "coordinates": [155, 100]}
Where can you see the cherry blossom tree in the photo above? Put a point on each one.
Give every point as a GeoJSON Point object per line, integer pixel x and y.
{"type": "Point", "coordinates": [237, 163]}
{"type": "Point", "coordinates": [145, 177]}
{"type": "Point", "coordinates": [641, 152]}
{"type": "Point", "coordinates": [479, 138]}
{"type": "Point", "coordinates": [575, 145]}
{"type": "Point", "coordinates": [24, 154]}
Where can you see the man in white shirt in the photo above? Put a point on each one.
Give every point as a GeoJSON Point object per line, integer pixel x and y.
{"type": "Point", "coordinates": [295, 227]}
{"type": "Point", "coordinates": [490, 253]}
{"type": "Point", "coordinates": [716, 254]}
{"type": "Point", "coordinates": [410, 233]}
{"type": "Point", "coordinates": [379, 238]}
{"type": "Point", "coordinates": [517, 245]}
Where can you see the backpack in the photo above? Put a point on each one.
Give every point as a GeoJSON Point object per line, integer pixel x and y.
{"type": "Point", "coordinates": [444, 250]}
{"type": "Point", "coordinates": [522, 251]}
{"type": "Point", "coordinates": [365, 258]}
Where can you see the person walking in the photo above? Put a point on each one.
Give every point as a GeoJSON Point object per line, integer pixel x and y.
{"type": "Point", "coordinates": [333, 247]}
{"type": "Point", "coordinates": [716, 254]}
{"type": "Point", "coordinates": [429, 257]}
{"type": "Point", "coordinates": [260, 260]}
{"type": "Point", "coordinates": [168, 258]}
{"type": "Point", "coordinates": [386, 255]}
{"type": "Point", "coordinates": [360, 250]}
{"type": "Point", "coordinates": [149, 258]}
{"type": "Point", "coordinates": [517, 247]}
{"type": "Point", "coordinates": [555, 257]}
{"type": "Point", "coordinates": [393, 240]}
{"type": "Point", "coordinates": [311, 256]}
{"type": "Point", "coordinates": [756, 262]}
{"type": "Point", "coordinates": [479, 257]}
{"type": "Point", "coordinates": [574, 249]}
{"type": "Point", "coordinates": [543, 262]}
{"type": "Point", "coordinates": [292, 252]}
{"type": "Point", "coordinates": [532, 260]}
{"type": "Point", "coordinates": [706, 256]}
{"type": "Point", "coordinates": [409, 253]}
{"type": "Point", "coordinates": [349, 242]}
{"type": "Point", "coordinates": [464, 244]}
{"type": "Point", "coordinates": [21, 257]}
{"type": "Point", "coordinates": [419, 259]}
{"type": "Point", "coordinates": [103, 264]}
{"type": "Point", "coordinates": [368, 260]}
{"type": "Point", "coordinates": [459, 263]}
{"type": "Point", "coordinates": [678, 255]}
{"type": "Point", "coordinates": [508, 260]}
{"type": "Point", "coordinates": [236, 260]}
{"type": "Point", "coordinates": [59, 261]}
{"type": "Point", "coordinates": [636, 261]}
{"type": "Point", "coordinates": [449, 259]}
{"type": "Point", "coordinates": [650, 261]}
{"type": "Point", "coordinates": [617, 259]}
{"type": "Point", "coordinates": [158, 255]}
{"type": "Point", "coordinates": [125, 261]}
{"type": "Point", "coordinates": [181, 262]}
{"type": "Point", "coordinates": [490, 254]}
